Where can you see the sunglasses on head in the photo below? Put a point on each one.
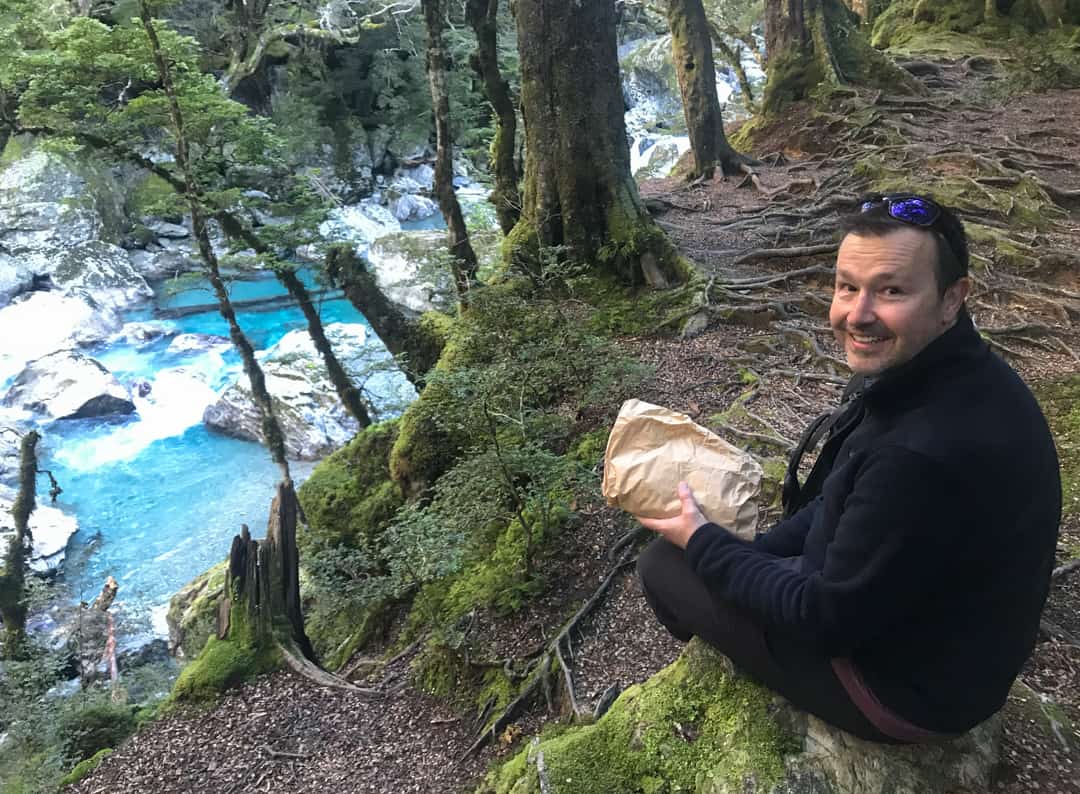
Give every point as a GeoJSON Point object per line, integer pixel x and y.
{"type": "Point", "coordinates": [915, 210]}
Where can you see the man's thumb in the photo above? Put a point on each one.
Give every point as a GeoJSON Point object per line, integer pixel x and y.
{"type": "Point", "coordinates": [687, 496]}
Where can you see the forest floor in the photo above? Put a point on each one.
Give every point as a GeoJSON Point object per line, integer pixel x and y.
{"type": "Point", "coordinates": [768, 346]}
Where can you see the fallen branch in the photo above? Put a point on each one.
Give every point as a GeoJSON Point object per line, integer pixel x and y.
{"type": "Point", "coordinates": [749, 435]}
{"type": "Point", "coordinates": [781, 253]}
{"type": "Point", "coordinates": [765, 281]}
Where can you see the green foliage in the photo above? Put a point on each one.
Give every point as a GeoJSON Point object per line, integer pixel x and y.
{"type": "Point", "coordinates": [94, 727]}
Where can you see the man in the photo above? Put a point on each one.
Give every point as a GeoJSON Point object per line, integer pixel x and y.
{"type": "Point", "coordinates": [901, 595]}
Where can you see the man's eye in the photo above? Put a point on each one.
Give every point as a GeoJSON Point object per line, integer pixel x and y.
{"type": "Point", "coordinates": [845, 288]}
{"type": "Point", "coordinates": [893, 291]}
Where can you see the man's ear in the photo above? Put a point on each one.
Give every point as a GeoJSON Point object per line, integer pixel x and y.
{"type": "Point", "coordinates": [955, 295]}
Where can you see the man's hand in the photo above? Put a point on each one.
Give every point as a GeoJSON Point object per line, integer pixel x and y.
{"type": "Point", "coordinates": [678, 529]}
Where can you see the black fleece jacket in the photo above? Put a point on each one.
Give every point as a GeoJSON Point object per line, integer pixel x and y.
{"type": "Point", "coordinates": [926, 558]}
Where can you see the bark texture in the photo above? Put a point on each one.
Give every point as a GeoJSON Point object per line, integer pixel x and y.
{"type": "Point", "coordinates": [694, 66]}
{"type": "Point", "coordinates": [810, 42]}
{"type": "Point", "coordinates": [263, 583]}
{"type": "Point", "coordinates": [483, 17]}
{"type": "Point", "coordinates": [13, 563]}
{"type": "Point", "coordinates": [417, 339]}
{"type": "Point", "coordinates": [578, 191]}
{"type": "Point", "coordinates": [274, 439]}
{"type": "Point", "coordinates": [462, 257]}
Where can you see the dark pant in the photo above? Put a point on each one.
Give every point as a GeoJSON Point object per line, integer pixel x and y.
{"type": "Point", "coordinates": [800, 673]}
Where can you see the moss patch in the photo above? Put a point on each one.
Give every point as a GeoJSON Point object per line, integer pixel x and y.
{"type": "Point", "coordinates": [1060, 402]}
{"type": "Point", "coordinates": [192, 615]}
{"type": "Point", "coordinates": [349, 497]}
{"type": "Point", "coordinates": [84, 768]}
{"type": "Point", "coordinates": [691, 727]}
{"type": "Point", "coordinates": [221, 665]}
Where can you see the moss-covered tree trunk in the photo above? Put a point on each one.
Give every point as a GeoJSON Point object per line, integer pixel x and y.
{"type": "Point", "coordinates": [483, 17]}
{"type": "Point", "coordinates": [578, 191]}
{"type": "Point", "coordinates": [13, 562]}
{"type": "Point", "coordinates": [810, 42]}
{"type": "Point", "coordinates": [693, 57]}
{"type": "Point", "coordinates": [272, 435]}
{"type": "Point", "coordinates": [462, 257]}
{"type": "Point", "coordinates": [419, 340]}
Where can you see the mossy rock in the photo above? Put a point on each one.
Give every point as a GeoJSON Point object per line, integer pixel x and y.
{"type": "Point", "coordinates": [694, 726]}
{"type": "Point", "coordinates": [192, 615]}
{"type": "Point", "coordinates": [699, 726]}
{"type": "Point", "coordinates": [1060, 402]}
{"type": "Point", "coordinates": [85, 767]}
{"type": "Point", "coordinates": [350, 496]}
{"type": "Point", "coordinates": [221, 665]}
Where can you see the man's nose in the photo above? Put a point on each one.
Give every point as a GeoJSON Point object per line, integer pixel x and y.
{"type": "Point", "coordinates": [862, 312]}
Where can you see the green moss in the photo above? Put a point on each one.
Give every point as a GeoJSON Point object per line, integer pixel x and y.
{"type": "Point", "coordinates": [152, 196]}
{"type": "Point", "coordinates": [221, 665]}
{"type": "Point", "coordinates": [426, 340]}
{"type": "Point", "coordinates": [791, 77]}
{"type": "Point", "coordinates": [522, 246]}
{"type": "Point", "coordinates": [193, 610]}
{"type": "Point", "coordinates": [618, 309]}
{"type": "Point", "coordinates": [693, 726]}
{"type": "Point", "coordinates": [350, 497]}
{"type": "Point", "coordinates": [84, 768]}
{"type": "Point", "coordinates": [588, 449]}
{"type": "Point", "coordinates": [14, 149]}
{"type": "Point", "coordinates": [1060, 402]}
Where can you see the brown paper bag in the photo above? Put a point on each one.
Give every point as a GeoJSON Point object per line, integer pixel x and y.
{"type": "Point", "coordinates": [651, 449]}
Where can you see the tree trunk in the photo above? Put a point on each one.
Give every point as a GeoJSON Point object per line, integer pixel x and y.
{"type": "Point", "coordinates": [733, 55]}
{"type": "Point", "coordinates": [343, 385]}
{"type": "Point", "coordinates": [810, 42]}
{"type": "Point", "coordinates": [483, 16]}
{"type": "Point", "coordinates": [272, 435]}
{"type": "Point", "coordinates": [462, 257]}
{"type": "Point", "coordinates": [579, 194]}
{"type": "Point", "coordinates": [262, 604]}
{"type": "Point", "coordinates": [419, 340]}
{"type": "Point", "coordinates": [13, 563]}
{"type": "Point", "coordinates": [693, 57]}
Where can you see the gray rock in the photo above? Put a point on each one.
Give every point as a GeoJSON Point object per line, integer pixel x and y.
{"type": "Point", "coordinates": [171, 231]}
{"type": "Point", "coordinates": [101, 273]}
{"type": "Point", "coordinates": [410, 269]}
{"type": "Point", "coordinates": [192, 615]}
{"type": "Point", "coordinates": [50, 527]}
{"type": "Point", "coordinates": [312, 418]}
{"type": "Point", "coordinates": [144, 332]}
{"type": "Point", "coordinates": [196, 343]}
{"type": "Point", "coordinates": [68, 385]}
{"type": "Point", "coordinates": [410, 207]}
{"type": "Point", "coordinates": [256, 194]}
{"type": "Point", "coordinates": [50, 205]}
{"type": "Point", "coordinates": [156, 263]}
{"type": "Point", "coordinates": [423, 176]}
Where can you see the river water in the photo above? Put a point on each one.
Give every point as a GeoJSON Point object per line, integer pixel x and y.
{"type": "Point", "coordinates": [158, 496]}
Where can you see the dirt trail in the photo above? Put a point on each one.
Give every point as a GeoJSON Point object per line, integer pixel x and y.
{"type": "Point", "coordinates": [767, 328]}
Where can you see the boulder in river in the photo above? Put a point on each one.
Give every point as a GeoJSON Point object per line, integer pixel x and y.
{"type": "Point", "coordinates": [312, 418]}
{"type": "Point", "coordinates": [39, 323]}
{"type": "Point", "coordinates": [50, 527]}
{"type": "Point", "coordinates": [68, 385]}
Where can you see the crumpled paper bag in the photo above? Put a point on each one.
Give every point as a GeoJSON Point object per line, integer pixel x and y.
{"type": "Point", "coordinates": [651, 449]}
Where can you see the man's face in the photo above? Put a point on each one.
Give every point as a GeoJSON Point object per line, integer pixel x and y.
{"type": "Point", "coordinates": [887, 306]}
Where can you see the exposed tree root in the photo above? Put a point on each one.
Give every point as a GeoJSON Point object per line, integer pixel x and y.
{"type": "Point", "coordinates": [552, 653]}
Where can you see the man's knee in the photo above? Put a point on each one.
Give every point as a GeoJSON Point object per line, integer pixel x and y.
{"type": "Point", "coordinates": [658, 564]}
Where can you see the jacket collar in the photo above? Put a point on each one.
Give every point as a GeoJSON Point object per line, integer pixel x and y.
{"type": "Point", "coordinates": [959, 345]}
